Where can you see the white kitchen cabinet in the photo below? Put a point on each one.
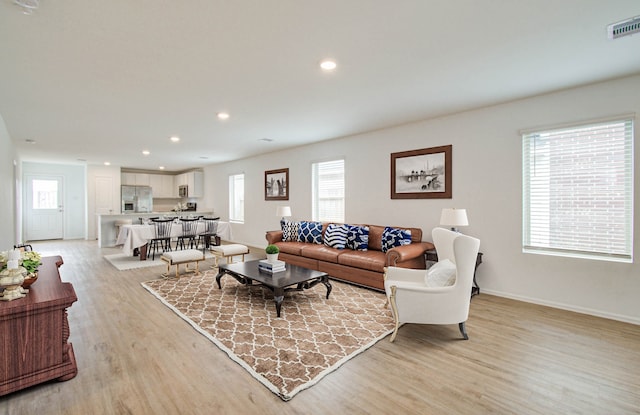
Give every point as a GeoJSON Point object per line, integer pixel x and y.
{"type": "Point", "coordinates": [195, 181]}
{"type": "Point", "coordinates": [142, 179]}
{"type": "Point", "coordinates": [135, 179]}
{"type": "Point", "coordinates": [128, 179]}
{"type": "Point", "coordinates": [162, 186]}
{"type": "Point", "coordinates": [168, 186]}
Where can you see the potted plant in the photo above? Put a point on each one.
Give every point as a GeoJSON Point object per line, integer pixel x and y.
{"type": "Point", "coordinates": [272, 253]}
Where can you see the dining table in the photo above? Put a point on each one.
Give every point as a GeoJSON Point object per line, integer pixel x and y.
{"type": "Point", "coordinates": [134, 238]}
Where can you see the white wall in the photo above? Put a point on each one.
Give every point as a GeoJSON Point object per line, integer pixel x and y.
{"type": "Point", "coordinates": [487, 173]}
{"type": "Point", "coordinates": [101, 172]}
{"type": "Point", "coordinates": [74, 194]}
{"type": "Point", "coordinates": [8, 183]}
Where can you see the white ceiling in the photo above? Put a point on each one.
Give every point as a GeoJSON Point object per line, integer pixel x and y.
{"type": "Point", "coordinates": [103, 80]}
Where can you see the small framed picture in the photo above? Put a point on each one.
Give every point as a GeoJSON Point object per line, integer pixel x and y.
{"type": "Point", "coordinates": [276, 184]}
{"type": "Point", "coordinates": [421, 174]}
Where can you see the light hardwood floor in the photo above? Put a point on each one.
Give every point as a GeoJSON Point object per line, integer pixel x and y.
{"type": "Point", "coordinates": [135, 356]}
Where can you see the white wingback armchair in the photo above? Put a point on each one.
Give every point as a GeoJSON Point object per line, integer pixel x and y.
{"type": "Point", "coordinates": [414, 300]}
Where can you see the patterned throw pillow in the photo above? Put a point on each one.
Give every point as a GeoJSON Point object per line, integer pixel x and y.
{"type": "Point", "coordinates": [392, 237]}
{"type": "Point", "coordinates": [358, 238]}
{"type": "Point", "coordinates": [290, 231]}
{"type": "Point", "coordinates": [336, 236]}
{"type": "Point", "coordinates": [310, 232]}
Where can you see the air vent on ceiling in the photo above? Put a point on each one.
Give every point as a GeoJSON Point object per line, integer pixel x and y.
{"type": "Point", "coordinates": [624, 28]}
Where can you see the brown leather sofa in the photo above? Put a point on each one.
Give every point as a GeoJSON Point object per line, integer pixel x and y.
{"type": "Point", "coordinates": [358, 267]}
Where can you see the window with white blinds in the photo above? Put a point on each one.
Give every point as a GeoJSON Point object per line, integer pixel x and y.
{"type": "Point", "coordinates": [328, 191]}
{"type": "Point", "coordinates": [236, 198]}
{"type": "Point", "coordinates": [578, 191]}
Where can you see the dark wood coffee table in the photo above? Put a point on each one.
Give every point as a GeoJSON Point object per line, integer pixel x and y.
{"type": "Point", "coordinates": [279, 282]}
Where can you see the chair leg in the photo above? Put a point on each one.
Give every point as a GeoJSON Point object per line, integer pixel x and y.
{"type": "Point", "coordinates": [463, 330]}
{"type": "Point", "coordinates": [394, 311]}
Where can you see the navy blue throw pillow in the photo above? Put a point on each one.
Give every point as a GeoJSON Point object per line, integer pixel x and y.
{"type": "Point", "coordinates": [336, 236]}
{"type": "Point", "coordinates": [310, 232]}
{"type": "Point", "coordinates": [358, 238]}
{"type": "Point", "coordinates": [392, 237]}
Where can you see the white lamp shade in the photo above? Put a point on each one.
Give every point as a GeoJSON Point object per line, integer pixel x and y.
{"type": "Point", "coordinates": [454, 217]}
{"type": "Point", "coordinates": [283, 211]}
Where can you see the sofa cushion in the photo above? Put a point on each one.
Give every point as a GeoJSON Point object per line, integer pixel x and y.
{"type": "Point", "coordinates": [293, 248]}
{"type": "Point", "coordinates": [290, 231]}
{"type": "Point", "coordinates": [375, 237]}
{"type": "Point", "coordinates": [358, 238]}
{"type": "Point", "coordinates": [392, 237]}
{"type": "Point", "coordinates": [321, 252]}
{"type": "Point", "coordinates": [310, 232]}
{"type": "Point", "coordinates": [335, 236]}
{"type": "Point", "coordinates": [370, 260]}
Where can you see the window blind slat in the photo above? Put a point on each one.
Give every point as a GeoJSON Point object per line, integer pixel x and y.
{"type": "Point", "coordinates": [328, 191]}
{"type": "Point", "coordinates": [578, 190]}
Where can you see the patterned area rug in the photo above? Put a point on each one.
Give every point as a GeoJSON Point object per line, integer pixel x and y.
{"type": "Point", "coordinates": [126, 262]}
{"type": "Point", "coordinates": [312, 338]}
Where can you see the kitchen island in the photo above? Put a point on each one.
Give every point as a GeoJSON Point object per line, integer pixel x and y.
{"type": "Point", "coordinates": [108, 234]}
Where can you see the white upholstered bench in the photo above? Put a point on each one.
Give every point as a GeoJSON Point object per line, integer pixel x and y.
{"type": "Point", "coordinates": [228, 252]}
{"type": "Point", "coordinates": [178, 258]}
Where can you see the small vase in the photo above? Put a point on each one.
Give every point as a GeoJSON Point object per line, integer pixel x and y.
{"type": "Point", "coordinates": [272, 258]}
{"type": "Point", "coordinates": [30, 279]}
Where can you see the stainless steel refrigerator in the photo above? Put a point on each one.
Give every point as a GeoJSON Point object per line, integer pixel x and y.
{"type": "Point", "coordinates": [136, 199]}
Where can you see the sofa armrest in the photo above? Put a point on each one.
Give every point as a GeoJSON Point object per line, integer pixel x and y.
{"type": "Point", "coordinates": [273, 237]}
{"type": "Point", "coordinates": [404, 253]}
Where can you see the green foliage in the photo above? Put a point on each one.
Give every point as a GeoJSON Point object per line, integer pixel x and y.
{"type": "Point", "coordinates": [272, 249]}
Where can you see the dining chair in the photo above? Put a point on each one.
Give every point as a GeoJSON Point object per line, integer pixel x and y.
{"type": "Point", "coordinates": [162, 236]}
{"type": "Point", "coordinates": [189, 233]}
{"type": "Point", "coordinates": [210, 230]}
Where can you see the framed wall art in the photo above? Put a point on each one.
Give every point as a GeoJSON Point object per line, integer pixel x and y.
{"type": "Point", "coordinates": [276, 184]}
{"type": "Point", "coordinates": [421, 174]}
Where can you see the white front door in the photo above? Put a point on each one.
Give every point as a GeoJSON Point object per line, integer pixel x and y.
{"type": "Point", "coordinates": [43, 208]}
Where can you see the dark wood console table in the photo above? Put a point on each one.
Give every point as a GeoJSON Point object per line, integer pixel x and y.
{"type": "Point", "coordinates": [34, 332]}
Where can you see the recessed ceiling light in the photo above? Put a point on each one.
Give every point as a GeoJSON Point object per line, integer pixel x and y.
{"type": "Point", "coordinates": [146, 152]}
{"type": "Point", "coordinates": [30, 141]}
{"type": "Point", "coordinates": [175, 138]}
{"type": "Point", "coordinates": [266, 140]}
{"type": "Point", "coordinates": [106, 163]}
{"type": "Point", "coordinates": [223, 115]}
{"type": "Point", "coordinates": [161, 167]}
{"type": "Point", "coordinates": [204, 157]}
{"type": "Point", "coordinates": [328, 65]}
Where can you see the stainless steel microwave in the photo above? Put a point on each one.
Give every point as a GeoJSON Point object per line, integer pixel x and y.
{"type": "Point", "coordinates": [183, 190]}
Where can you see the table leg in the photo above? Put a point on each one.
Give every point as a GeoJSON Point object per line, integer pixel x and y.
{"type": "Point", "coordinates": [325, 281]}
{"type": "Point", "coordinates": [143, 252]}
{"type": "Point", "coordinates": [219, 277]}
{"type": "Point", "coordinates": [278, 297]}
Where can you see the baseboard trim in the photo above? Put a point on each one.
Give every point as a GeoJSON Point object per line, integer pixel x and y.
{"type": "Point", "coordinates": [562, 306]}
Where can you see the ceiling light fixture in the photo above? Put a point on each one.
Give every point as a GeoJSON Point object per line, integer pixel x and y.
{"type": "Point", "coordinates": [266, 140]}
{"type": "Point", "coordinates": [223, 115]}
{"type": "Point", "coordinates": [106, 163]}
{"type": "Point", "coordinates": [175, 138]}
{"type": "Point", "coordinates": [328, 65]}
{"type": "Point", "coordinates": [28, 6]}
{"type": "Point", "coordinates": [30, 141]}
{"type": "Point", "coordinates": [146, 152]}
{"type": "Point", "coordinates": [161, 167]}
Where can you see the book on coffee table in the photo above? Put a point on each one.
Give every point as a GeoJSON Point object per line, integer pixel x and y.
{"type": "Point", "coordinates": [271, 267]}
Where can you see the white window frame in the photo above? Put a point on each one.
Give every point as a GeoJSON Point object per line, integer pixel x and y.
{"type": "Point", "coordinates": [578, 190]}
{"type": "Point", "coordinates": [236, 198]}
{"type": "Point", "coordinates": [328, 190]}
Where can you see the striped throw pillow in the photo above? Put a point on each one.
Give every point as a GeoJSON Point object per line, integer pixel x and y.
{"type": "Point", "coordinates": [336, 236]}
